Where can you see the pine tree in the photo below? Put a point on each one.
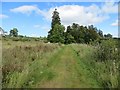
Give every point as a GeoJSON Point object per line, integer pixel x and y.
{"type": "Point", "coordinates": [56, 33]}
{"type": "Point", "coordinates": [55, 19]}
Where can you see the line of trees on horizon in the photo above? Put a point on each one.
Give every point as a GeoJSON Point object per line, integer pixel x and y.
{"type": "Point", "coordinates": [74, 34]}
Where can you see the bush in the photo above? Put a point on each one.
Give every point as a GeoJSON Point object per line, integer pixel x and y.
{"type": "Point", "coordinates": [106, 54]}
{"type": "Point", "coordinates": [107, 50]}
{"type": "Point", "coordinates": [15, 39]}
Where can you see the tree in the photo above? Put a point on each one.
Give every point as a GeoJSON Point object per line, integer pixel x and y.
{"type": "Point", "coordinates": [55, 19]}
{"type": "Point", "coordinates": [108, 35]}
{"type": "Point", "coordinates": [82, 34]}
{"type": "Point", "coordinates": [74, 33]}
{"type": "Point", "coordinates": [56, 34]}
{"type": "Point", "coordinates": [93, 35]}
{"type": "Point", "coordinates": [100, 33]}
{"type": "Point", "coordinates": [68, 37]}
{"type": "Point", "coordinates": [14, 32]}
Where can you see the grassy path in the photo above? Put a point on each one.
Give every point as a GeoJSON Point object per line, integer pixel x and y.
{"type": "Point", "coordinates": [68, 73]}
{"type": "Point", "coordinates": [64, 67]}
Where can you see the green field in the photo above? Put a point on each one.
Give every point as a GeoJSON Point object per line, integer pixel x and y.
{"type": "Point", "coordinates": [35, 64]}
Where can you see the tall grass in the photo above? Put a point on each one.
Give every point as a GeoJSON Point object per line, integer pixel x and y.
{"type": "Point", "coordinates": [107, 54]}
{"type": "Point", "coordinates": [25, 65]}
{"type": "Point", "coordinates": [101, 61]}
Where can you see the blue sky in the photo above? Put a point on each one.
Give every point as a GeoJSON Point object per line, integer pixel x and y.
{"type": "Point", "coordinates": [34, 18]}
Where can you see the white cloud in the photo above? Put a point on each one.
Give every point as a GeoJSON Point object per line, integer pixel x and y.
{"type": "Point", "coordinates": [69, 14]}
{"type": "Point", "coordinates": [110, 7]}
{"type": "Point", "coordinates": [26, 9]}
{"type": "Point", "coordinates": [116, 23]}
{"type": "Point", "coordinates": [78, 14]}
{"type": "Point", "coordinates": [84, 15]}
{"type": "Point", "coordinates": [3, 16]}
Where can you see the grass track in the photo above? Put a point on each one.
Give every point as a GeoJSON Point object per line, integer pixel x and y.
{"type": "Point", "coordinates": [60, 67]}
{"type": "Point", "coordinates": [68, 71]}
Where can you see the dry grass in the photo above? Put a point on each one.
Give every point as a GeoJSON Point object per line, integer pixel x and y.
{"type": "Point", "coordinates": [17, 56]}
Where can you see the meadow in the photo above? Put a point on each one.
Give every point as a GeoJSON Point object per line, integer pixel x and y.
{"type": "Point", "coordinates": [37, 64]}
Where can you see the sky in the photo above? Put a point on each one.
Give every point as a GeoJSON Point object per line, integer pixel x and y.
{"type": "Point", "coordinates": [34, 18]}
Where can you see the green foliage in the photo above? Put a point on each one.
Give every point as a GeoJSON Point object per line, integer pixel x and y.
{"type": "Point", "coordinates": [55, 19]}
{"type": "Point", "coordinates": [74, 33]}
{"type": "Point", "coordinates": [100, 32]}
{"type": "Point", "coordinates": [81, 34]}
{"type": "Point", "coordinates": [107, 54]}
{"type": "Point", "coordinates": [107, 50]}
{"type": "Point", "coordinates": [106, 73]}
{"type": "Point", "coordinates": [14, 32]}
{"type": "Point", "coordinates": [69, 39]}
{"type": "Point", "coordinates": [24, 38]}
{"type": "Point", "coordinates": [56, 34]}
{"type": "Point", "coordinates": [108, 35]}
{"type": "Point", "coordinates": [93, 34]}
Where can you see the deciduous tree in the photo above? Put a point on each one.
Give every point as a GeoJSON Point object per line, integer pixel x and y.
{"type": "Point", "coordinates": [14, 32]}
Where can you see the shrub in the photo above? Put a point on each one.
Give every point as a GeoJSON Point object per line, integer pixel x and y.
{"type": "Point", "coordinates": [107, 56]}
{"type": "Point", "coordinates": [107, 50]}
{"type": "Point", "coordinates": [15, 38]}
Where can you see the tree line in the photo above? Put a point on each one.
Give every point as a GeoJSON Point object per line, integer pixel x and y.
{"type": "Point", "coordinates": [73, 34]}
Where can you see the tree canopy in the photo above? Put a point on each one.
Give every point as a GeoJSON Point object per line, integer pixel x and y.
{"type": "Point", "coordinates": [14, 32]}
{"type": "Point", "coordinates": [73, 34]}
{"type": "Point", "coordinates": [56, 34]}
